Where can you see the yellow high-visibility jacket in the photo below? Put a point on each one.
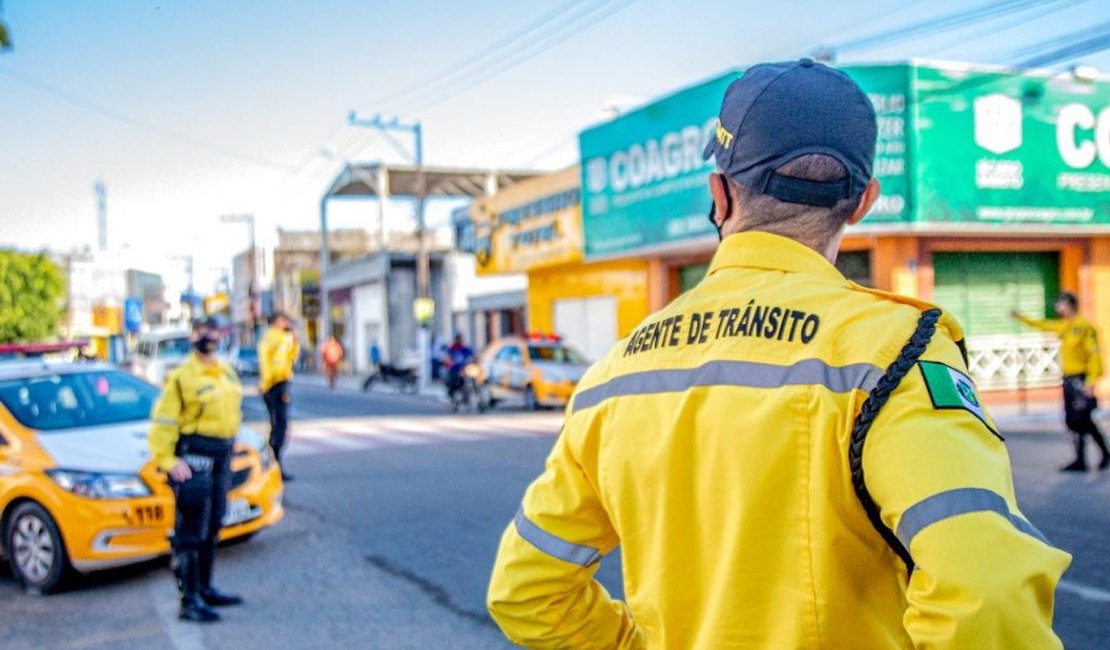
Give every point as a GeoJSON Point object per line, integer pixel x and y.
{"type": "Point", "coordinates": [197, 398]}
{"type": "Point", "coordinates": [712, 446]}
{"type": "Point", "coordinates": [277, 352]}
{"type": "Point", "coordinates": [1079, 353]}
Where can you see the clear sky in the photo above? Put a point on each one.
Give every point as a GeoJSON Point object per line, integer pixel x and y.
{"type": "Point", "coordinates": [189, 109]}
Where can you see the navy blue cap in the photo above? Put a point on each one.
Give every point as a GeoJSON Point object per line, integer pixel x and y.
{"type": "Point", "coordinates": [777, 112]}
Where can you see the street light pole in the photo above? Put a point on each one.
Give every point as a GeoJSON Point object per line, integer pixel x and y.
{"type": "Point", "coordinates": [423, 273]}
{"type": "Point", "coordinates": [252, 271]}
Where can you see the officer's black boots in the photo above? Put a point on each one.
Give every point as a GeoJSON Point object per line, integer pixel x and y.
{"type": "Point", "coordinates": [212, 596]}
{"type": "Point", "coordinates": [193, 607]}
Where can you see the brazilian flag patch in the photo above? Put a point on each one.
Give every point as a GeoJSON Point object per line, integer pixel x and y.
{"type": "Point", "coordinates": [951, 389]}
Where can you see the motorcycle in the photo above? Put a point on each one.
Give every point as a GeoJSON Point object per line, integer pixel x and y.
{"type": "Point", "coordinates": [404, 379]}
{"type": "Point", "coordinates": [462, 389]}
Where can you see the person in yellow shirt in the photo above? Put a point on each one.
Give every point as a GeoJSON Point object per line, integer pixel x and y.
{"type": "Point", "coordinates": [1081, 364]}
{"type": "Point", "coordinates": [193, 428]}
{"type": "Point", "coordinates": [786, 459]}
{"type": "Point", "coordinates": [277, 353]}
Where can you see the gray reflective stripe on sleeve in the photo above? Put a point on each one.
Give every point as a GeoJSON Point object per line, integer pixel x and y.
{"type": "Point", "coordinates": [167, 421]}
{"type": "Point", "coordinates": [954, 503]}
{"type": "Point", "coordinates": [749, 374]}
{"type": "Point", "coordinates": [554, 546]}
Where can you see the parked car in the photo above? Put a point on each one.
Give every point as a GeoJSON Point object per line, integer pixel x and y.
{"type": "Point", "coordinates": [78, 490]}
{"type": "Point", "coordinates": [536, 371]}
{"type": "Point", "coordinates": [245, 361]}
{"type": "Point", "coordinates": [161, 350]}
{"type": "Point", "coordinates": [158, 352]}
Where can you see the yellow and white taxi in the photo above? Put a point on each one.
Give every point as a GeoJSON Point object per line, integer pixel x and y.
{"type": "Point", "coordinates": [537, 370]}
{"type": "Point", "coordinates": [78, 490]}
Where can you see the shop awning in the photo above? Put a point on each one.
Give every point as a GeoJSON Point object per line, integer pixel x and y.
{"type": "Point", "coordinates": [379, 179]}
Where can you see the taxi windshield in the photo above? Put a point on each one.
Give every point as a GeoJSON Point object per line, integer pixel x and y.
{"type": "Point", "coordinates": [72, 400]}
{"type": "Point", "coordinates": [556, 354]}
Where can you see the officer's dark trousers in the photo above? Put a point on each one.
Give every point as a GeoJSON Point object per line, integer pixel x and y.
{"type": "Point", "coordinates": [277, 404]}
{"type": "Point", "coordinates": [1078, 409]}
{"type": "Point", "coordinates": [202, 500]}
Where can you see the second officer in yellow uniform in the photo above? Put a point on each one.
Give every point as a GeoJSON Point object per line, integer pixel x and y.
{"type": "Point", "coordinates": [786, 460]}
{"type": "Point", "coordinates": [1082, 366]}
{"type": "Point", "coordinates": [191, 437]}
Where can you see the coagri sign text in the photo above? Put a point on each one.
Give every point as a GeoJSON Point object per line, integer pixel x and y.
{"type": "Point", "coordinates": [675, 153]}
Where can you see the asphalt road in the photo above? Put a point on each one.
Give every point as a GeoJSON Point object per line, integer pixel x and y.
{"type": "Point", "coordinates": [391, 546]}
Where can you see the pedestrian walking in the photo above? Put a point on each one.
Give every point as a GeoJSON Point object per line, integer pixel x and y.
{"type": "Point", "coordinates": [277, 352]}
{"type": "Point", "coordinates": [192, 431]}
{"type": "Point", "coordinates": [786, 459]}
{"type": "Point", "coordinates": [333, 355]}
{"type": "Point", "coordinates": [1081, 363]}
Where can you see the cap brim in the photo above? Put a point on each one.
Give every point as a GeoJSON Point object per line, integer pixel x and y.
{"type": "Point", "coordinates": [711, 149]}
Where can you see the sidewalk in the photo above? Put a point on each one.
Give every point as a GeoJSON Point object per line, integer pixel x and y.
{"type": "Point", "coordinates": [349, 382]}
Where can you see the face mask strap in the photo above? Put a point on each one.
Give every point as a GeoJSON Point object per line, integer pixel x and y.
{"type": "Point", "coordinates": [728, 208]}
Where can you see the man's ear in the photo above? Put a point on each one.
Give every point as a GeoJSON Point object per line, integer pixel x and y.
{"type": "Point", "coordinates": [720, 198]}
{"type": "Point", "coordinates": [870, 195]}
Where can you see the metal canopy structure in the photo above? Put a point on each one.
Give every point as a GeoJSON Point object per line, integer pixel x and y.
{"type": "Point", "coordinates": [421, 182]}
{"type": "Point", "coordinates": [381, 180]}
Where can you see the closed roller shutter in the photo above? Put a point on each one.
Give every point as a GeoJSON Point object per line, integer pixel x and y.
{"type": "Point", "coordinates": [981, 289]}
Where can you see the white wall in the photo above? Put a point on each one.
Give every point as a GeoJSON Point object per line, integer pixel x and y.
{"type": "Point", "coordinates": [587, 324]}
{"type": "Point", "coordinates": [368, 307]}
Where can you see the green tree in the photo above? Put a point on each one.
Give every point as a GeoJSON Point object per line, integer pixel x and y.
{"type": "Point", "coordinates": [31, 293]}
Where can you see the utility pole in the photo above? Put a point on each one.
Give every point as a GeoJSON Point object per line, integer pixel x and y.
{"type": "Point", "coordinates": [252, 272]}
{"type": "Point", "coordinates": [101, 215]}
{"type": "Point", "coordinates": [422, 264]}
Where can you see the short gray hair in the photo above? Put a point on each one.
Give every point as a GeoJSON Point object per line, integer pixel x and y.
{"type": "Point", "coordinates": [764, 212]}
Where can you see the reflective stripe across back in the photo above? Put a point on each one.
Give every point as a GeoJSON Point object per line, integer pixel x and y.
{"type": "Point", "coordinates": [749, 374]}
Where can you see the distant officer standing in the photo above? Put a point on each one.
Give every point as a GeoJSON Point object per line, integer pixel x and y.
{"type": "Point", "coordinates": [277, 353]}
{"type": "Point", "coordinates": [193, 429]}
{"type": "Point", "coordinates": [1082, 366]}
{"type": "Point", "coordinates": [724, 447]}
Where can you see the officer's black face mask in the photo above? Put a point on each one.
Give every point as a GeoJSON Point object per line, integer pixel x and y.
{"type": "Point", "coordinates": [728, 208]}
{"type": "Point", "coordinates": [206, 343]}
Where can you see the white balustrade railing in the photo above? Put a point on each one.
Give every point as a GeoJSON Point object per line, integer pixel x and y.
{"type": "Point", "coordinates": [1014, 360]}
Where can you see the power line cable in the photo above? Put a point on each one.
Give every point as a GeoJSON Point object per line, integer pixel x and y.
{"type": "Point", "coordinates": [994, 30]}
{"type": "Point", "coordinates": [1069, 52]}
{"type": "Point", "coordinates": [130, 120]}
{"type": "Point", "coordinates": [506, 43]}
{"type": "Point", "coordinates": [1049, 45]}
{"type": "Point", "coordinates": [527, 53]}
{"type": "Point", "coordinates": [956, 19]}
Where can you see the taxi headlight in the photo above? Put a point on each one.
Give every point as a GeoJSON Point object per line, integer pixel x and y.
{"type": "Point", "coordinates": [94, 485]}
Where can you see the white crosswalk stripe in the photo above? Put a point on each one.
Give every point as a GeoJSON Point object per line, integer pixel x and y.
{"type": "Point", "coordinates": [329, 436]}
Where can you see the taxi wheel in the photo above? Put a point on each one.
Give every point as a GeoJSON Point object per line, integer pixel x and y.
{"type": "Point", "coordinates": [530, 401]}
{"type": "Point", "coordinates": [38, 557]}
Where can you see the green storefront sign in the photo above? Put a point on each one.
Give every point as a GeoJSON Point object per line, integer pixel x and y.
{"type": "Point", "coordinates": [643, 177]}
{"type": "Point", "coordinates": [955, 145]}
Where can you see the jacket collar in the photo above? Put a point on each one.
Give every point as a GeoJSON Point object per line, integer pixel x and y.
{"type": "Point", "coordinates": [763, 250]}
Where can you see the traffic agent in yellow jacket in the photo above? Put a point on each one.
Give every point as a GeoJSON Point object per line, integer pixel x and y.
{"type": "Point", "coordinates": [1079, 353]}
{"type": "Point", "coordinates": [712, 445]}
{"type": "Point", "coordinates": [197, 398]}
{"type": "Point", "coordinates": [276, 355]}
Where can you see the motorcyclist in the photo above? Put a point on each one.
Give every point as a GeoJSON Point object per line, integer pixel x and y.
{"type": "Point", "coordinates": [455, 359]}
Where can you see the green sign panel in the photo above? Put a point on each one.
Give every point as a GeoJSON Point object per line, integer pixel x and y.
{"type": "Point", "coordinates": [954, 145]}
{"type": "Point", "coordinates": [887, 86]}
{"type": "Point", "coordinates": [643, 177]}
{"type": "Point", "coordinates": [1004, 148]}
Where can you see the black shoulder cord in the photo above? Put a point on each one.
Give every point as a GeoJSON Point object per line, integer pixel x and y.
{"type": "Point", "coordinates": [906, 360]}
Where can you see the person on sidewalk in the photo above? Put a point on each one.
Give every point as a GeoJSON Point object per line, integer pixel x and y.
{"type": "Point", "coordinates": [333, 355]}
{"type": "Point", "coordinates": [277, 352]}
{"type": "Point", "coordinates": [723, 445]}
{"type": "Point", "coordinates": [193, 428]}
{"type": "Point", "coordinates": [1081, 363]}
